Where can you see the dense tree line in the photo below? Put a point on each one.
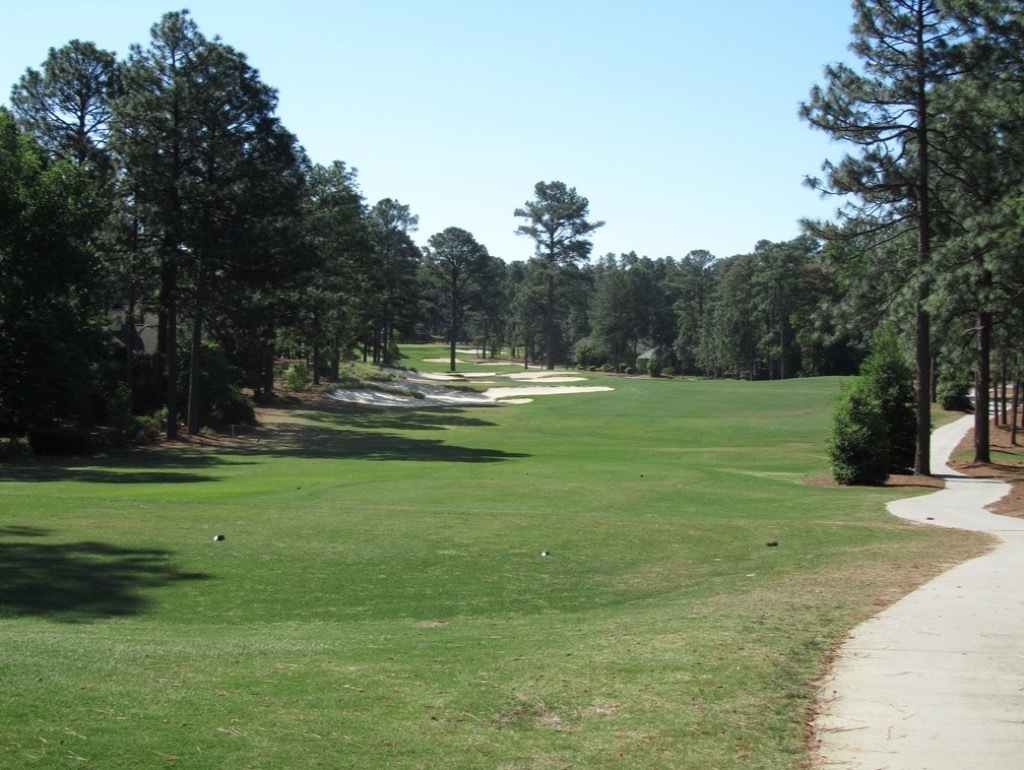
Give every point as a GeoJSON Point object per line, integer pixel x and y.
{"type": "Point", "coordinates": [926, 237]}
{"type": "Point", "coordinates": [163, 190]}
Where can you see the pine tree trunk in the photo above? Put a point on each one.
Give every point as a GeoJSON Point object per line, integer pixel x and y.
{"type": "Point", "coordinates": [453, 331]}
{"type": "Point", "coordinates": [169, 292]}
{"type": "Point", "coordinates": [1014, 406]}
{"type": "Point", "coordinates": [923, 351]}
{"type": "Point", "coordinates": [982, 384]}
{"type": "Point", "coordinates": [549, 323]}
{"type": "Point", "coordinates": [195, 367]}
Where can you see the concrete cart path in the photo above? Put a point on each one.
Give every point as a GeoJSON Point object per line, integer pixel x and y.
{"type": "Point", "coordinates": [936, 681]}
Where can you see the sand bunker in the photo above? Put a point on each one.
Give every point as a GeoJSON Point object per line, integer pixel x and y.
{"type": "Point", "coordinates": [538, 376]}
{"type": "Point", "coordinates": [471, 363]}
{"type": "Point", "coordinates": [421, 392]}
{"type": "Point", "coordinates": [503, 393]}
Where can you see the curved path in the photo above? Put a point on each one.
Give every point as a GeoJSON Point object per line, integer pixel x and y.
{"type": "Point", "coordinates": [936, 681]}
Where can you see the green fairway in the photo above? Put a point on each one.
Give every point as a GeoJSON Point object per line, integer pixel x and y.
{"type": "Point", "coordinates": [380, 600]}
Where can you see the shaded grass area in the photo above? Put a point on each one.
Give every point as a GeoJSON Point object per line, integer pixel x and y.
{"type": "Point", "coordinates": [77, 581]}
{"type": "Point", "coordinates": [379, 599]}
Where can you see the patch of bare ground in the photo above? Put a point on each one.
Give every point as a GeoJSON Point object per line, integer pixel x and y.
{"type": "Point", "coordinates": [1008, 467]}
{"type": "Point", "coordinates": [269, 419]}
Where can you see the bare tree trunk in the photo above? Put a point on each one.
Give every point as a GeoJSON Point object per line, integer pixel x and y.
{"type": "Point", "coordinates": [169, 292]}
{"type": "Point", "coordinates": [922, 343]}
{"type": "Point", "coordinates": [1014, 407]}
{"type": "Point", "coordinates": [195, 364]}
{"type": "Point", "coordinates": [335, 358]}
{"type": "Point", "coordinates": [981, 390]}
{"type": "Point", "coordinates": [1002, 391]}
{"type": "Point", "coordinates": [453, 330]}
{"type": "Point", "coordinates": [549, 323]}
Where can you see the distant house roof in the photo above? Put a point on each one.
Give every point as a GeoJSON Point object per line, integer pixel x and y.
{"type": "Point", "coordinates": [141, 336]}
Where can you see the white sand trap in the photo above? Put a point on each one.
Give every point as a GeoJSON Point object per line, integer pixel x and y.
{"type": "Point", "coordinates": [544, 379]}
{"type": "Point", "coordinates": [502, 393]}
{"type": "Point", "coordinates": [471, 363]}
{"type": "Point", "coordinates": [437, 395]}
{"type": "Point", "coordinates": [535, 376]}
{"type": "Point", "coordinates": [453, 377]}
{"type": "Point", "coordinates": [538, 374]}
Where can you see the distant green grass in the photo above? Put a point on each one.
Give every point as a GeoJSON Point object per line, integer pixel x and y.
{"type": "Point", "coordinates": [380, 600]}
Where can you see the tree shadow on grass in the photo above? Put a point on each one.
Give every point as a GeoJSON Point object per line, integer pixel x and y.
{"type": "Point", "coordinates": [76, 582]}
{"type": "Point", "coordinates": [146, 466]}
{"type": "Point", "coordinates": [340, 443]}
{"type": "Point", "coordinates": [350, 431]}
{"type": "Point", "coordinates": [320, 431]}
{"type": "Point", "coordinates": [368, 417]}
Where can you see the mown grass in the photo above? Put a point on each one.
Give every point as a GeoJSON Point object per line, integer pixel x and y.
{"type": "Point", "coordinates": [379, 599]}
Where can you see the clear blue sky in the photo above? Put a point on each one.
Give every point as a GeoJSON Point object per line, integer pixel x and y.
{"type": "Point", "coordinates": [677, 119]}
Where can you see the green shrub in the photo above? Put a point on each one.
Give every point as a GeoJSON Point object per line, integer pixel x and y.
{"type": "Point", "coordinates": [858, 445]}
{"type": "Point", "coordinates": [585, 355]}
{"type": "Point", "coordinates": [954, 394]}
{"type": "Point", "coordinates": [119, 409]}
{"type": "Point", "coordinates": [297, 377]}
{"type": "Point", "coordinates": [235, 407]}
{"type": "Point", "coordinates": [890, 379]}
{"type": "Point", "coordinates": [668, 371]}
{"type": "Point", "coordinates": [149, 427]}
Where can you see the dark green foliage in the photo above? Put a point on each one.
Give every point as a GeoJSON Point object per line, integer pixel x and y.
{"type": "Point", "coordinates": [558, 224]}
{"type": "Point", "coordinates": [297, 377]}
{"type": "Point", "coordinates": [875, 427]}
{"type": "Point", "coordinates": [455, 263]}
{"type": "Point", "coordinates": [954, 394]}
{"type": "Point", "coordinates": [58, 441]}
{"type": "Point", "coordinates": [235, 408]}
{"type": "Point", "coordinates": [66, 105]}
{"type": "Point", "coordinates": [890, 379]}
{"type": "Point", "coordinates": [222, 402]}
{"type": "Point", "coordinates": [858, 443]}
{"type": "Point", "coordinates": [584, 356]}
{"type": "Point", "coordinates": [48, 212]}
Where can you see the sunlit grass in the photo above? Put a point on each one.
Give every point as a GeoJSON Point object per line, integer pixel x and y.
{"type": "Point", "coordinates": [379, 598]}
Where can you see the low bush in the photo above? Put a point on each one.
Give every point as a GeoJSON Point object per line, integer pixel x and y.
{"type": "Point", "coordinates": [858, 446]}
{"type": "Point", "coordinates": [236, 408]}
{"type": "Point", "coordinates": [954, 395]}
{"type": "Point", "coordinates": [297, 377]}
